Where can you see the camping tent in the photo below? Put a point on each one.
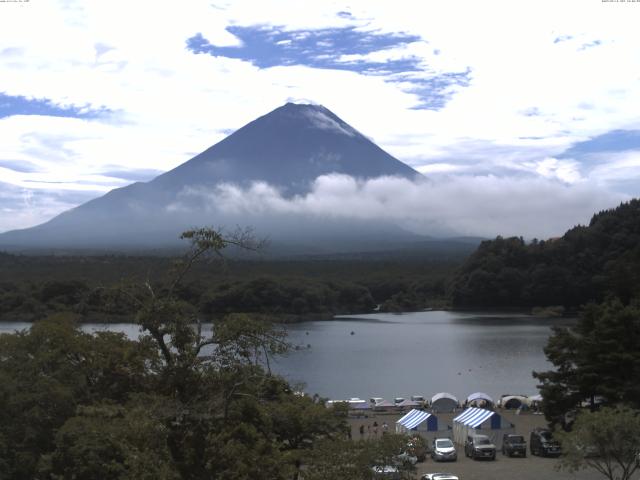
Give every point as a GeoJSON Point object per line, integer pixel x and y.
{"type": "Point", "coordinates": [443, 402]}
{"type": "Point", "coordinates": [423, 423]}
{"type": "Point", "coordinates": [474, 421]}
{"type": "Point", "coordinates": [479, 399]}
{"type": "Point", "coordinates": [513, 402]}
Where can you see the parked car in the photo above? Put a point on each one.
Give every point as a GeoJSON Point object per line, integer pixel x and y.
{"type": "Point", "coordinates": [443, 450]}
{"type": "Point", "coordinates": [438, 476]}
{"type": "Point", "coordinates": [479, 446]}
{"type": "Point", "coordinates": [514, 445]}
{"type": "Point", "coordinates": [542, 443]}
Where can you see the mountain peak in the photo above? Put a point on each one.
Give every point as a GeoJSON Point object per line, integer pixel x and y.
{"type": "Point", "coordinates": [288, 148]}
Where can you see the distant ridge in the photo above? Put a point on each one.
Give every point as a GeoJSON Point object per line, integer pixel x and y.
{"type": "Point", "coordinates": [287, 148]}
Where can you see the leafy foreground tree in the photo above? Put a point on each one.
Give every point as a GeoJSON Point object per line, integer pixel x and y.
{"type": "Point", "coordinates": [178, 403]}
{"type": "Point", "coordinates": [598, 359]}
{"type": "Point", "coordinates": [607, 441]}
{"type": "Point", "coordinates": [348, 460]}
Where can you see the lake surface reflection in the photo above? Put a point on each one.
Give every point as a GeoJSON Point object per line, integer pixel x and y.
{"type": "Point", "coordinates": [421, 353]}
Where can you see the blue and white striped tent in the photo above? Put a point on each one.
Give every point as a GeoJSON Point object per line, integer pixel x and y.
{"type": "Point", "coordinates": [423, 423]}
{"type": "Point", "coordinates": [480, 421]}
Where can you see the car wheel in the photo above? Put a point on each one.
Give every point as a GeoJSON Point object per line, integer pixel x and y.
{"type": "Point", "coordinates": [494, 457]}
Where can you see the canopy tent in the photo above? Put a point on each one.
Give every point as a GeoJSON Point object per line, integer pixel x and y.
{"type": "Point", "coordinates": [512, 402]}
{"type": "Point", "coordinates": [443, 402]}
{"type": "Point", "coordinates": [478, 421]}
{"type": "Point", "coordinates": [423, 423]}
{"type": "Point", "coordinates": [479, 399]}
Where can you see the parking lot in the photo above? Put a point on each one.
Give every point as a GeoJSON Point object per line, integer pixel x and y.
{"type": "Point", "coordinates": [528, 468]}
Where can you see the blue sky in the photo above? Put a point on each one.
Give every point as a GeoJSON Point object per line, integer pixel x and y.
{"type": "Point", "coordinates": [476, 95]}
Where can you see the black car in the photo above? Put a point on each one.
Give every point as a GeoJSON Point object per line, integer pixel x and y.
{"type": "Point", "coordinates": [542, 443]}
{"type": "Point", "coordinates": [514, 445]}
{"type": "Point", "coordinates": [479, 446]}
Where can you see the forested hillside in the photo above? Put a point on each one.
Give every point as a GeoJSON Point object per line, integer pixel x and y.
{"type": "Point", "coordinates": [586, 264]}
{"type": "Point", "coordinates": [32, 287]}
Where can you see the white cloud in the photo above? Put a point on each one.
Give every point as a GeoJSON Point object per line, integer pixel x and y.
{"type": "Point", "coordinates": [170, 104]}
{"type": "Point", "coordinates": [452, 205]}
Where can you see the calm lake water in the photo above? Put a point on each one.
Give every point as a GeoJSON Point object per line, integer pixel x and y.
{"type": "Point", "coordinates": [420, 353]}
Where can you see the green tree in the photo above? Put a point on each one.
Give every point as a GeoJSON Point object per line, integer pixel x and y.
{"type": "Point", "coordinates": [607, 441]}
{"type": "Point", "coordinates": [48, 372]}
{"type": "Point", "coordinates": [599, 357]}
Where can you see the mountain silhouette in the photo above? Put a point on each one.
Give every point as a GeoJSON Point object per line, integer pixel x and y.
{"type": "Point", "coordinates": [287, 148]}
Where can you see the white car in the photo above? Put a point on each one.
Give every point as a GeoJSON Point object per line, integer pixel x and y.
{"type": "Point", "coordinates": [439, 476]}
{"type": "Point", "coordinates": [443, 450]}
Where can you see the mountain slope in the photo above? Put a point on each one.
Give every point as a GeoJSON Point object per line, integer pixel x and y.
{"type": "Point", "coordinates": [287, 148]}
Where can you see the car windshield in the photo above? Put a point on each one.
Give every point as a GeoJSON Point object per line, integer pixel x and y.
{"type": "Point", "coordinates": [446, 443]}
{"type": "Point", "coordinates": [483, 441]}
{"type": "Point", "coordinates": [516, 438]}
{"type": "Point", "coordinates": [546, 436]}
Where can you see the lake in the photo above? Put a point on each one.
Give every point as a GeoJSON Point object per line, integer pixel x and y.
{"type": "Point", "coordinates": [421, 353]}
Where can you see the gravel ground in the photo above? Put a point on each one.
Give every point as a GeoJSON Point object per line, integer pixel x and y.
{"type": "Point", "coordinates": [528, 468]}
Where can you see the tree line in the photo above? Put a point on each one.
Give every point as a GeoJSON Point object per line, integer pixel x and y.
{"type": "Point", "coordinates": [34, 287]}
{"type": "Point", "coordinates": [586, 264]}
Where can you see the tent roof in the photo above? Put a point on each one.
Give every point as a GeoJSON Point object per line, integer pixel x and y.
{"type": "Point", "coordinates": [473, 416]}
{"type": "Point", "coordinates": [440, 395]}
{"type": "Point", "coordinates": [409, 403]}
{"type": "Point", "coordinates": [506, 398]}
{"type": "Point", "coordinates": [413, 419]}
{"type": "Point", "coordinates": [384, 403]}
{"type": "Point", "coordinates": [535, 398]}
{"type": "Point", "coordinates": [479, 396]}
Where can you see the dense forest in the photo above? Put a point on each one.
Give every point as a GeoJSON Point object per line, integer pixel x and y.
{"type": "Point", "coordinates": [32, 287]}
{"type": "Point", "coordinates": [173, 404]}
{"type": "Point", "coordinates": [586, 264]}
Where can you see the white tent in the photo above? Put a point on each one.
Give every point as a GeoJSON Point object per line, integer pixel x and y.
{"type": "Point", "coordinates": [479, 399]}
{"type": "Point", "coordinates": [478, 421]}
{"type": "Point", "coordinates": [423, 423]}
{"type": "Point", "coordinates": [512, 402]}
{"type": "Point", "coordinates": [443, 402]}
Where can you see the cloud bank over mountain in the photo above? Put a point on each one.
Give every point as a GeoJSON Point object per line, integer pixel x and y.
{"type": "Point", "coordinates": [450, 206]}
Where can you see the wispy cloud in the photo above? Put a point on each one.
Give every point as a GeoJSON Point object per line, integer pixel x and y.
{"type": "Point", "coordinates": [394, 56]}
{"type": "Point", "coordinates": [20, 105]}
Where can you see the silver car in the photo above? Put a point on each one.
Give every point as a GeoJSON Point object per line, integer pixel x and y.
{"type": "Point", "coordinates": [438, 476]}
{"type": "Point", "coordinates": [443, 450]}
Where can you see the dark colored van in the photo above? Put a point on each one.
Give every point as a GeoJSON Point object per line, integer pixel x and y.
{"type": "Point", "coordinates": [542, 443]}
{"type": "Point", "coordinates": [514, 445]}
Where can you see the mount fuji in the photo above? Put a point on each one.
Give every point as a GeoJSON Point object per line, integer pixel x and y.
{"type": "Point", "coordinates": [286, 149]}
